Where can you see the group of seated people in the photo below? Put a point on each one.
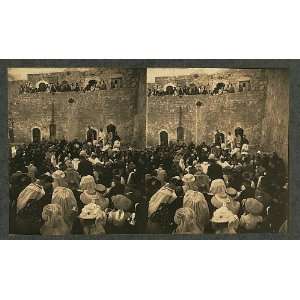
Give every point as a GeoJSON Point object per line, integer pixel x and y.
{"type": "Point", "coordinates": [63, 86]}
{"type": "Point", "coordinates": [193, 89]}
{"type": "Point", "coordinates": [174, 189]}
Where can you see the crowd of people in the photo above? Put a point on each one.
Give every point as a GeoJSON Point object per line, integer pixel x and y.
{"type": "Point", "coordinates": [99, 187]}
{"type": "Point", "coordinates": [193, 89]}
{"type": "Point", "coordinates": [64, 86]}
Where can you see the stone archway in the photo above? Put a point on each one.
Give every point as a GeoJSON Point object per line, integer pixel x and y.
{"type": "Point", "coordinates": [163, 138]}
{"type": "Point", "coordinates": [42, 85]}
{"type": "Point", "coordinates": [94, 132]}
{"type": "Point", "coordinates": [169, 88]}
{"type": "Point", "coordinates": [36, 134]}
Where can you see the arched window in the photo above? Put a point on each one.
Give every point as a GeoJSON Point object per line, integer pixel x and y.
{"type": "Point", "coordinates": [164, 139]}
{"type": "Point", "coordinates": [36, 135]}
{"type": "Point", "coordinates": [180, 134]}
{"type": "Point", "coordinates": [170, 90]}
{"type": "Point", "coordinates": [42, 87]}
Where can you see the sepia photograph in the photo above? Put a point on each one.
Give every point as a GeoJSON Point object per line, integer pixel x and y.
{"type": "Point", "coordinates": [149, 148]}
{"type": "Point", "coordinates": [148, 151]}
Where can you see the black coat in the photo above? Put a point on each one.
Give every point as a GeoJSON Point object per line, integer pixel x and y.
{"type": "Point", "coordinates": [215, 171]}
{"type": "Point", "coordinates": [85, 168]}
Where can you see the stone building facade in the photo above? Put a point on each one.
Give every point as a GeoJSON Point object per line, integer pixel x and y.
{"type": "Point", "coordinates": [262, 109]}
{"type": "Point", "coordinates": [72, 112]}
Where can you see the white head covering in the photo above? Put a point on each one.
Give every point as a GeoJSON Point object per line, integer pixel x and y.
{"type": "Point", "coordinates": [163, 195]}
{"type": "Point", "coordinates": [185, 218]}
{"type": "Point", "coordinates": [87, 183]}
{"type": "Point", "coordinates": [66, 199]}
{"type": "Point", "coordinates": [196, 201]}
{"type": "Point", "coordinates": [54, 221]}
{"type": "Point", "coordinates": [32, 191]}
{"type": "Point", "coordinates": [217, 187]}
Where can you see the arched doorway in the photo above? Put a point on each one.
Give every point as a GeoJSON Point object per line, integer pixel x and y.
{"type": "Point", "coordinates": [36, 135]}
{"type": "Point", "coordinates": [41, 85]}
{"type": "Point", "coordinates": [91, 134]}
{"type": "Point", "coordinates": [164, 139]}
{"type": "Point", "coordinates": [170, 90]}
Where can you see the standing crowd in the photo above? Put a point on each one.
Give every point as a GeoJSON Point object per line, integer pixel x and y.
{"type": "Point", "coordinates": [218, 89]}
{"type": "Point", "coordinates": [99, 187]}
{"type": "Point", "coordinates": [64, 86]}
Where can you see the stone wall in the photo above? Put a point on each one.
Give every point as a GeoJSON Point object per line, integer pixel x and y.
{"type": "Point", "coordinates": [224, 112]}
{"type": "Point", "coordinates": [124, 107]}
{"type": "Point", "coordinates": [129, 76]}
{"type": "Point", "coordinates": [276, 118]}
{"type": "Point", "coordinates": [139, 136]}
{"type": "Point", "coordinates": [227, 76]}
{"type": "Point", "coordinates": [97, 108]}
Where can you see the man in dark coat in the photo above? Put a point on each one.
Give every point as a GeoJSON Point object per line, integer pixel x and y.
{"type": "Point", "coordinates": [90, 135]}
{"type": "Point", "coordinates": [219, 138]}
{"type": "Point", "coordinates": [85, 167]}
{"type": "Point", "coordinates": [214, 170]}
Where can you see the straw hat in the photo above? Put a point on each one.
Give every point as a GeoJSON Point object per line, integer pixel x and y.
{"type": "Point", "coordinates": [121, 202]}
{"type": "Point", "coordinates": [91, 211]}
{"type": "Point", "coordinates": [100, 188]}
{"type": "Point", "coordinates": [223, 215]}
{"type": "Point", "coordinates": [188, 178]}
{"type": "Point", "coordinates": [253, 206]}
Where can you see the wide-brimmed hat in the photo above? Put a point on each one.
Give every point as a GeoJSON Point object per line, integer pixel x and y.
{"type": "Point", "coordinates": [223, 215]}
{"type": "Point", "coordinates": [188, 178]}
{"type": "Point", "coordinates": [58, 174]}
{"type": "Point", "coordinates": [100, 188]}
{"type": "Point", "coordinates": [220, 199]}
{"type": "Point", "coordinates": [253, 206]}
{"type": "Point", "coordinates": [121, 202]}
{"type": "Point", "coordinates": [91, 211]}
